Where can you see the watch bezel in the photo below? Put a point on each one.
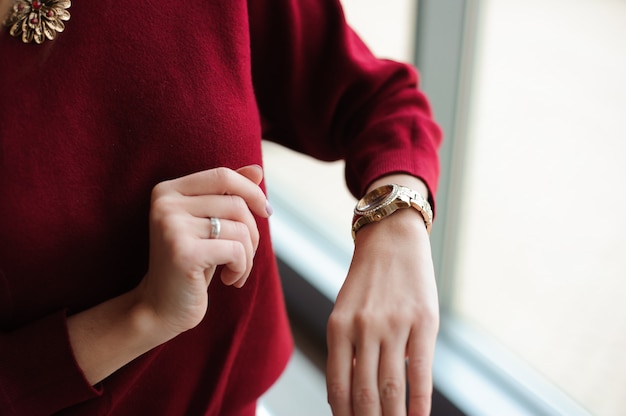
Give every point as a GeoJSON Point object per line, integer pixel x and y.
{"type": "Point", "coordinates": [376, 199]}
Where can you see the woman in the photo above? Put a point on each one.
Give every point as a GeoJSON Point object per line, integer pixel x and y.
{"type": "Point", "coordinates": [137, 275]}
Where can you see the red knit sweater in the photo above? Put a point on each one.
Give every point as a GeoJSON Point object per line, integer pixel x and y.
{"type": "Point", "coordinates": [135, 93]}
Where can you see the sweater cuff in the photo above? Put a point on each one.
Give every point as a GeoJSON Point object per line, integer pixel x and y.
{"type": "Point", "coordinates": [38, 372]}
{"type": "Point", "coordinates": [425, 168]}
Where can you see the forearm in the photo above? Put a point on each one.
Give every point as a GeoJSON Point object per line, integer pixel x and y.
{"type": "Point", "coordinates": [112, 334]}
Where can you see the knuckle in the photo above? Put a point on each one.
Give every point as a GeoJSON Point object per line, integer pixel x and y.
{"type": "Point", "coordinates": [337, 393]}
{"type": "Point", "coordinates": [428, 318]}
{"type": "Point", "coordinates": [238, 254]}
{"type": "Point", "coordinates": [359, 324]}
{"type": "Point", "coordinates": [391, 389]}
{"type": "Point", "coordinates": [163, 206]}
{"type": "Point", "coordinates": [238, 206]}
{"type": "Point", "coordinates": [432, 316]}
{"type": "Point", "coordinates": [398, 319]}
{"type": "Point", "coordinates": [364, 319]}
{"type": "Point", "coordinates": [223, 175]}
{"type": "Point", "coordinates": [240, 231]}
{"type": "Point", "coordinates": [255, 238]}
{"type": "Point", "coordinates": [365, 397]}
{"type": "Point", "coordinates": [424, 316]}
{"type": "Point", "coordinates": [419, 365]}
{"type": "Point", "coordinates": [420, 405]}
{"type": "Point", "coordinates": [337, 323]}
{"type": "Point", "coordinates": [160, 189]}
{"type": "Point", "coordinates": [163, 220]}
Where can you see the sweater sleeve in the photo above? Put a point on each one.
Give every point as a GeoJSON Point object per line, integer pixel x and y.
{"type": "Point", "coordinates": [321, 92]}
{"type": "Point", "coordinates": [38, 372]}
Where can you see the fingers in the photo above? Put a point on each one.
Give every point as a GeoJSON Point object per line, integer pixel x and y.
{"type": "Point", "coordinates": [185, 206]}
{"type": "Point", "coordinates": [234, 247]}
{"type": "Point", "coordinates": [224, 207]}
{"type": "Point", "coordinates": [229, 253]}
{"type": "Point", "coordinates": [419, 369]}
{"type": "Point", "coordinates": [367, 363]}
{"type": "Point", "coordinates": [223, 181]}
{"type": "Point", "coordinates": [368, 378]}
{"type": "Point", "coordinates": [365, 397]}
{"type": "Point", "coordinates": [392, 378]}
{"type": "Point", "coordinates": [237, 232]}
{"type": "Point", "coordinates": [339, 369]}
{"type": "Point", "coordinates": [237, 224]}
{"type": "Point", "coordinates": [238, 267]}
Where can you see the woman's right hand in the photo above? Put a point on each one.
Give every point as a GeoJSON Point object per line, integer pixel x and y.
{"type": "Point", "coordinates": [183, 257]}
{"type": "Point", "coordinates": [173, 295]}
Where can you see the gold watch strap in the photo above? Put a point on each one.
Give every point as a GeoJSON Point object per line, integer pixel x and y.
{"type": "Point", "coordinates": [400, 197]}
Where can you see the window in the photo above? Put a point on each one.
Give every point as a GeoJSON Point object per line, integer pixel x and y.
{"type": "Point", "coordinates": [539, 257]}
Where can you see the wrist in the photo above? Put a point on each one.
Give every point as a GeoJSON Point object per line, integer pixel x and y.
{"type": "Point", "coordinates": [107, 336]}
{"type": "Point", "coordinates": [387, 201]}
{"type": "Point", "coordinates": [405, 226]}
{"type": "Point", "coordinates": [145, 323]}
{"type": "Point", "coordinates": [145, 319]}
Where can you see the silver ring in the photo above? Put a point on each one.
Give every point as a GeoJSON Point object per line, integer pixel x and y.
{"type": "Point", "coordinates": [216, 227]}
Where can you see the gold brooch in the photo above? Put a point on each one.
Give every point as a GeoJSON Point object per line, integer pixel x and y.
{"type": "Point", "coordinates": [37, 20]}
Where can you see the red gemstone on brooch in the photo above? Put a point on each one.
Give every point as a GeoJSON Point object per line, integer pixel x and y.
{"type": "Point", "coordinates": [37, 5]}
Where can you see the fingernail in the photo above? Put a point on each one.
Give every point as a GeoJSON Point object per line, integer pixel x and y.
{"type": "Point", "coordinates": [268, 208]}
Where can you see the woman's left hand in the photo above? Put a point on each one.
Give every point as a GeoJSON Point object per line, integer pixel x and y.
{"type": "Point", "coordinates": [386, 312]}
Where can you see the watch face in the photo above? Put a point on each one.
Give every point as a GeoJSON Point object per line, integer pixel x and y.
{"type": "Point", "coordinates": [384, 201]}
{"type": "Point", "coordinates": [375, 198]}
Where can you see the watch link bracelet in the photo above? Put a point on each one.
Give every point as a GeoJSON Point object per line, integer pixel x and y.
{"type": "Point", "coordinates": [384, 201]}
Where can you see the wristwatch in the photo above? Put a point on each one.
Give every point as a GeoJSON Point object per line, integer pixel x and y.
{"type": "Point", "coordinates": [384, 201]}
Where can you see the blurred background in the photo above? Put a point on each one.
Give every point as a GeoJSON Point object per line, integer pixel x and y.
{"type": "Point", "coordinates": [530, 235]}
